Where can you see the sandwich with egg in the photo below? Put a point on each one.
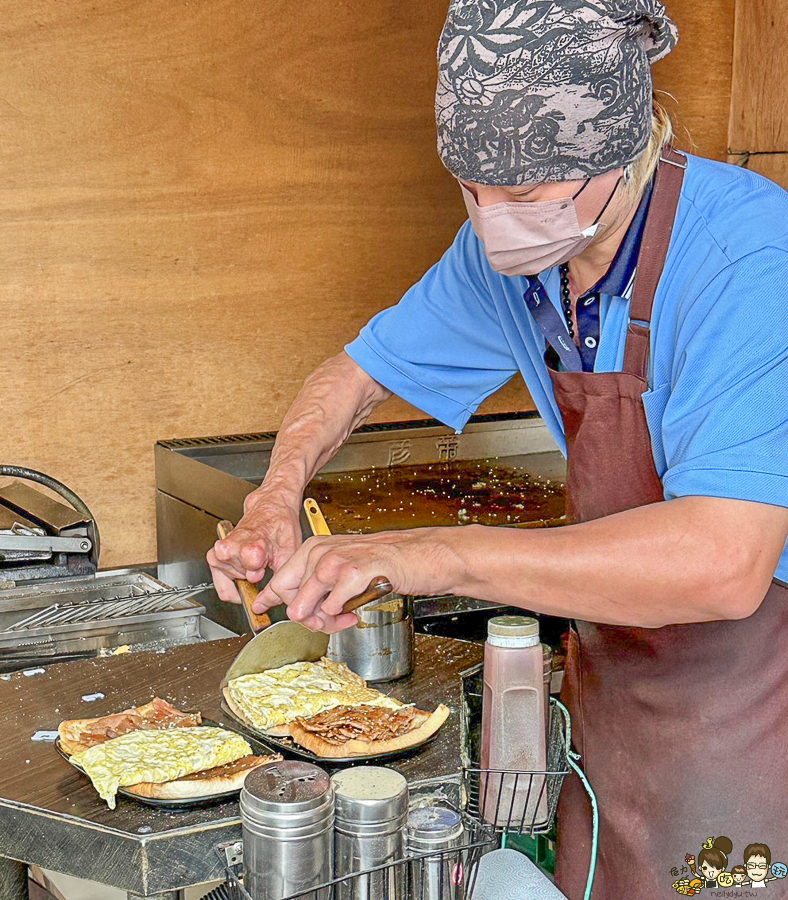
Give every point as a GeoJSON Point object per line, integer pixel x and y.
{"type": "Point", "coordinates": [156, 751]}
{"type": "Point", "coordinates": [329, 710]}
{"type": "Point", "coordinates": [345, 731]}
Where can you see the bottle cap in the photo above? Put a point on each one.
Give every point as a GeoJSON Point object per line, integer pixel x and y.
{"type": "Point", "coordinates": [513, 631]}
{"type": "Point", "coordinates": [513, 626]}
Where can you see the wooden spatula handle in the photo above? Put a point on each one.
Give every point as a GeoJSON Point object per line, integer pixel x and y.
{"type": "Point", "coordinates": [376, 589]}
{"type": "Point", "coordinates": [248, 592]}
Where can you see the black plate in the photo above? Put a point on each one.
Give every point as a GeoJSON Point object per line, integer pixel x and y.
{"type": "Point", "coordinates": [289, 746]}
{"type": "Point", "coordinates": [258, 748]}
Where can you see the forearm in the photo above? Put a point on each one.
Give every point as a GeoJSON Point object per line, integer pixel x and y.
{"type": "Point", "coordinates": [667, 563]}
{"type": "Point", "coordinates": [694, 559]}
{"type": "Point", "coordinates": [336, 398]}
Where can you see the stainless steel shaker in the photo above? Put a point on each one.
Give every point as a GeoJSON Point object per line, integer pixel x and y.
{"type": "Point", "coordinates": [437, 830]}
{"type": "Point", "coordinates": [287, 818]}
{"type": "Point", "coordinates": [380, 647]}
{"type": "Point", "coordinates": [371, 812]}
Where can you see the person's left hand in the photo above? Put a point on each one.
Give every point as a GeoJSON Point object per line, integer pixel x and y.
{"type": "Point", "coordinates": [326, 572]}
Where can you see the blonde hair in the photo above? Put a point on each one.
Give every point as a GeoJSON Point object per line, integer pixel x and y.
{"type": "Point", "coordinates": [645, 165]}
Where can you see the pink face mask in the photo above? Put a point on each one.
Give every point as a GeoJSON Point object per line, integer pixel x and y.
{"type": "Point", "coordinates": [528, 237]}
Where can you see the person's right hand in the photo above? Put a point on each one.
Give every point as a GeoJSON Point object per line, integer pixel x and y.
{"type": "Point", "coordinates": [267, 535]}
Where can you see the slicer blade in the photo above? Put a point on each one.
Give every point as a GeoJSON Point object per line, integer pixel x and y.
{"type": "Point", "coordinates": [278, 645]}
{"type": "Point", "coordinates": [109, 608]}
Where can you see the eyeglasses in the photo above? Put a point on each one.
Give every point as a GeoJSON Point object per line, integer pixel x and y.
{"type": "Point", "coordinates": [757, 866]}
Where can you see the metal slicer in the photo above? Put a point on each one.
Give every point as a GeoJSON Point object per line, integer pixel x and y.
{"type": "Point", "coordinates": [55, 606]}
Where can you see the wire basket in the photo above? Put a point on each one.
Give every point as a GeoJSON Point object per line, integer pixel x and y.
{"type": "Point", "coordinates": [504, 799]}
{"type": "Point", "coordinates": [492, 801]}
{"type": "Point", "coordinates": [436, 875]}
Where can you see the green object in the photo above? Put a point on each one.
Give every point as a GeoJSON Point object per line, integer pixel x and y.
{"type": "Point", "coordinates": [540, 848]}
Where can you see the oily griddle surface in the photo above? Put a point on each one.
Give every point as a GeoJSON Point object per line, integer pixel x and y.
{"type": "Point", "coordinates": [33, 774]}
{"type": "Point", "coordinates": [452, 493]}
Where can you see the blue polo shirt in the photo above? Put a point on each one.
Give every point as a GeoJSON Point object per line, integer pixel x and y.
{"type": "Point", "coordinates": [616, 282]}
{"type": "Point", "coordinates": [717, 404]}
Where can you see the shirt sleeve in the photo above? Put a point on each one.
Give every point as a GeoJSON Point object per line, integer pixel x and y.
{"type": "Point", "coordinates": [725, 428]}
{"type": "Point", "coordinates": [442, 347]}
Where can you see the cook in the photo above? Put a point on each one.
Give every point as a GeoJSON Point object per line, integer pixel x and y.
{"type": "Point", "coordinates": [640, 292]}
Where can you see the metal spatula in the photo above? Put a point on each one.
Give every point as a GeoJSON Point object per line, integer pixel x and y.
{"type": "Point", "coordinates": [289, 642]}
{"type": "Point", "coordinates": [378, 588]}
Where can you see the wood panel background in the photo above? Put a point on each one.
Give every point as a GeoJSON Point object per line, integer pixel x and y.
{"type": "Point", "coordinates": [694, 81]}
{"type": "Point", "coordinates": [202, 201]}
{"type": "Point", "coordinates": [759, 102]}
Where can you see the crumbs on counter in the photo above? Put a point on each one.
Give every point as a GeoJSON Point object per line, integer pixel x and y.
{"type": "Point", "coordinates": [114, 651]}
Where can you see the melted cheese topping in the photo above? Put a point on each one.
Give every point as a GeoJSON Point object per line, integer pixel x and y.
{"type": "Point", "coordinates": [277, 696]}
{"type": "Point", "coordinates": [158, 756]}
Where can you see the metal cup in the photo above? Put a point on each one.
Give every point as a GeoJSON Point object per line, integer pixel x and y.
{"type": "Point", "coordinates": [380, 647]}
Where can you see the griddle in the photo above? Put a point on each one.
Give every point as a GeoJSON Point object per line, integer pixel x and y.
{"type": "Point", "coordinates": [502, 470]}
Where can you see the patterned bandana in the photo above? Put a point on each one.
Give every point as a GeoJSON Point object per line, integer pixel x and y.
{"type": "Point", "coordinates": [531, 91]}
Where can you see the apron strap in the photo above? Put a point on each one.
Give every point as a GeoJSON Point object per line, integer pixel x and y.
{"type": "Point", "coordinates": [651, 258]}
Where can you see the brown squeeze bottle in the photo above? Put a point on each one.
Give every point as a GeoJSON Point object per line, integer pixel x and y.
{"type": "Point", "coordinates": [514, 737]}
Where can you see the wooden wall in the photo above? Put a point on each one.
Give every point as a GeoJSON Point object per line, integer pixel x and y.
{"type": "Point", "coordinates": [694, 81]}
{"type": "Point", "coordinates": [200, 202]}
{"type": "Point", "coordinates": [759, 104]}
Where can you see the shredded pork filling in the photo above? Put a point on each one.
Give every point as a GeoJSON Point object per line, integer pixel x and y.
{"type": "Point", "coordinates": [240, 765]}
{"type": "Point", "coordinates": [363, 723]}
{"type": "Point", "coordinates": [158, 716]}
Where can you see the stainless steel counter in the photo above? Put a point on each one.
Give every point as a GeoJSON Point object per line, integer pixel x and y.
{"type": "Point", "coordinates": [51, 816]}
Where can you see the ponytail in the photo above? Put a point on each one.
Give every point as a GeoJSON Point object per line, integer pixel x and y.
{"type": "Point", "coordinates": [717, 854]}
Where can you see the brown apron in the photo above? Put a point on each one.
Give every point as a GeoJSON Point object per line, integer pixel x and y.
{"type": "Point", "coordinates": [681, 729]}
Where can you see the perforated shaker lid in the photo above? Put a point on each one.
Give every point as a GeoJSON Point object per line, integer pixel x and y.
{"type": "Point", "coordinates": [290, 784]}
{"type": "Point", "coordinates": [433, 820]}
{"type": "Point", "coordinates": [434, 828]}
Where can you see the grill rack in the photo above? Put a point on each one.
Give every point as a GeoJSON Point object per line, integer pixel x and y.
{"type": "Point", "coordinates": [83, 617]}
{"type": "Point", "coordinates": [110, 608]}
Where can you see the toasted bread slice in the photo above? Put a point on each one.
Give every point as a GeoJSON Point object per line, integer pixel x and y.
{"type": "Point", "coordinates": [218, 780]}
{"type": "Point", "coordinates": [424, 726]}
